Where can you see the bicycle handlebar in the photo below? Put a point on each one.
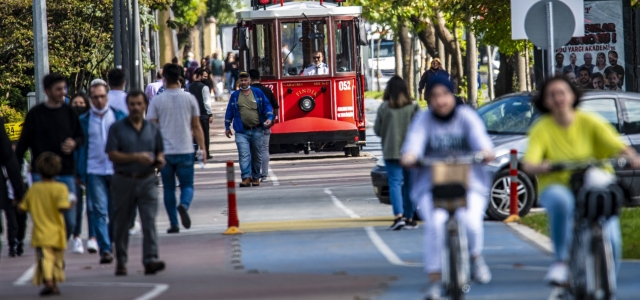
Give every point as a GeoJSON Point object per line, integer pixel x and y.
{"type": "Point", "coordinates": [473, 158]}
{"type": "Point", "coordinates": [620, 162]}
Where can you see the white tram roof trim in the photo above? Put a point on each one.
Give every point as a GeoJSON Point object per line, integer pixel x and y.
{"type": "Point", "coordinates": [295, 9]}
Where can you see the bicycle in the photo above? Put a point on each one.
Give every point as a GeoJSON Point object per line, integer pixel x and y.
{"type": "Point", "coordinates": [591, 267]}
{"type": "Point", "coordinates": [449, 190]}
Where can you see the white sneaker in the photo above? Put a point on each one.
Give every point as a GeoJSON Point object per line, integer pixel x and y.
{"type": "Point", "coordinates": [135, 229]}
{"type": "Point", "coordinates": [92, 246]}
{"type": "Point", "coordinates": [264, 179]}
{"type": "Point", "coordinates": [481, 272]}
{"type": "Point", "coordinates": [558, 274]}
{"type": "Point", "coordinates": [434, 291]}
{"type": "Point", "coordinates": [77, 246]}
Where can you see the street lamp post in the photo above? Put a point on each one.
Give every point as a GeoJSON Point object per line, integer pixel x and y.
{"type": "Point", "coordinates": [41, 47]}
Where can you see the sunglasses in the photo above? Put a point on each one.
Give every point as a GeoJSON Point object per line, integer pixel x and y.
{"type": "Point", "coordinates": [317, 57]}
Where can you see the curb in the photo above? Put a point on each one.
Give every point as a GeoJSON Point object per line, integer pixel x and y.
{"type": "Point", "coordinates": [540, 240]}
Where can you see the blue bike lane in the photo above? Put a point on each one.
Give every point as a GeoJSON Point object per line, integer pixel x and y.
{"type": "Point", "coordinates": [518, 266]}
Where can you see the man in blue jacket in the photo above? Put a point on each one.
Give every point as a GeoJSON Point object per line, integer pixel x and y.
{"type": "Point", "coordinates": [94, 167]}
{"type": "Point", "coordinates": [248, 111]}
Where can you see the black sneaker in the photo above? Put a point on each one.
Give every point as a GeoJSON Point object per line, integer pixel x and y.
{"type": "Point", "coordinates": [20, 249]}
{"type": "Point", "coordinates": [106, 258]}
{"type": "Point", "coordinates": [184, 216]}
{"type": "Point", "coordinates": [153, 267]}
{"type": "Point", "coordinates": [398, 223]}
{"type": "Point", "coordinates": [173, 229]}
{"type": "Point", "coordinates": [410, 225]}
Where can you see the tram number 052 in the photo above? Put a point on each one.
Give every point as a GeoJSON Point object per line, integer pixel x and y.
{"type": "Point", "coordinates": [344, 85]}
{"type": "Point", "coordinates": [270, 86]}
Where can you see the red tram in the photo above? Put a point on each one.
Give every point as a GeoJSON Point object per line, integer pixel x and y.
{"type": "Point", "coordinates": [308, 54]}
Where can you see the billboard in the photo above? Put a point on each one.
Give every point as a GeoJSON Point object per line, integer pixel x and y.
{"type": "Point", "coordinates": [597, 59]}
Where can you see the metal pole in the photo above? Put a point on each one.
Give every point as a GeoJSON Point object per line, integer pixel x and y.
{"type": "Point", "coordinates": [156, 43]}
{"type": "Point", "coordinates": [551, 51]}
{"type": "Point", "coordinates": [371, 59]}
{"type": "Point", "coordinates": [147, 50]}
{"type": "Point", "coordinates": [136, 51]}
{"type": "Point", "coordinates": [513, 188]}
{"type": "Point", "coordinates": [117, 39]}
{"type": "Point", "coordinates": [490, 75]}
{"type": "Point", "coordinates": [41, 47]}
{"type": "Point", "coordinates": [124, 36]}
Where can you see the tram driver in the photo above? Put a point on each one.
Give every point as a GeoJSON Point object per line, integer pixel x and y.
{"type": "Point", "coordinates": [318, 67]}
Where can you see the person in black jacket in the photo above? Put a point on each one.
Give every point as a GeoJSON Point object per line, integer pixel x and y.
{"type": "Point", "coordinates": [16, 222]}
{"type": "Point", "coordinates": [201, 91]}
{"type": "Point", "coordinates": [254, 75]}
{"type": "Point", "coordinates": [53, 126]}
{"type": "Point", "coordinates": [436, 69]}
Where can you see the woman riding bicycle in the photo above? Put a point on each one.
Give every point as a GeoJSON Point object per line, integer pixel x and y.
{"type": "Point", "coordinates": [565, 133]}
{"type": "Point", "coordinates": [448, 128]}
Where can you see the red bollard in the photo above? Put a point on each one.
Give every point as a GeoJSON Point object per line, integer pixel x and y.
{"type": "Point", "coordinates": [234, 223]}
{"type": "Point", "coordinates": [513, 192]}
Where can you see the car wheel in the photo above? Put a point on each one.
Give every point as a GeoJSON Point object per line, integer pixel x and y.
{"type": "Point", "coordinates": [499, 204]}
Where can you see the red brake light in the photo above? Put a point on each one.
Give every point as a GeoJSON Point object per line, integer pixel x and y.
{"type": "Point", "coordinates": [356, 138]}
{"type": "Point", "coordinates": [264, 2]}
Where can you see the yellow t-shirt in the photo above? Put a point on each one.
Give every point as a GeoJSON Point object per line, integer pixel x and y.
{"type": "Point", "coordinates": [44, 201]}
{"type": "Point", "coordinates": [589, 137]}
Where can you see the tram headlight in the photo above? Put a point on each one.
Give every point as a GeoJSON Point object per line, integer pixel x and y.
{"type": "Point", "coordinates": [307, 103]}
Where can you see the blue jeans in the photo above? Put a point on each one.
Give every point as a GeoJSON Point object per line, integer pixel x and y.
{"type": "Point", "coordinates": [180, 165]}
{"type": "Point", "coordinates": [559, 202]}
{"type": "Point", "coordinates": [250, 152]}
{"type": "Point", "coordinates": [399, 188]}
{"type": "Point", "coordinates": [230, 80]}
{"type": "Point", "coordinates": [69, 215]}
{"type": "Point", "coordinates": [99, 208]}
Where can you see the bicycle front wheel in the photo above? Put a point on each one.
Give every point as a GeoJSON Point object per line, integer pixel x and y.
{"type": "Point", "coordinates": [605, 283]}
{"type": "Point", "coordinates": [454, 288]}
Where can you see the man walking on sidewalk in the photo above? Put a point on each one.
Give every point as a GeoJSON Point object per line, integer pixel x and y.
{"type": "Point", "coordinates": [178, 115]}
{"type": "Point", "coordinates": [203, 95]}
{"type": "Point", "coordinates": [135, 147]}
{"type": "Point", "coordinates": [250, 112]}
{"type": "Point", "coordinates": [53, 126]}
{"type": "Point", "coordinates": [255, 82]}
{"type": "Point", "coordinates": [94, 167]}
{"type": "Point", "coordinates": [117, 95]}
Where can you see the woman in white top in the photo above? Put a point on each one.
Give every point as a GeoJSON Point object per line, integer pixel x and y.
{"type": "Point", "coordinates": [601, 63]}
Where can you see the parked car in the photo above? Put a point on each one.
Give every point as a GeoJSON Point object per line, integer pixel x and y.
{"type": "Point", "coordinates": [508, 119]}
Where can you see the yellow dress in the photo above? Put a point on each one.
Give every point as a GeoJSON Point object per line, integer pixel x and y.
{"type": "Point", "coordinates": [43, 201]}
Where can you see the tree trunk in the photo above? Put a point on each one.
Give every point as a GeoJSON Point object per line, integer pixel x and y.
{"type": "Point", "coordinates": [527, 68]}
{"type": "Point", "coordinates": [450, 45]}
{"type": "Point", "coordinates": [458, 65]}
{"type": "Point", "coordinates": [405, 46]}
{"type": "Point", "coordinates": [472, 66]}
{"type": "Point", "coordinates": [378, 62]}
{"type": "Point", "coordinates": [427, 35]}
{"type": "Point", "coordinates": [442, 53]}
{"type": "Point", "coordinates": [505, 82]}
{"type": "Point", "coordinates": [398, 54]}
{"type": "Point", "coordinates": [522, 72]}
{"type": "Point", "coordinates": [490, 75]}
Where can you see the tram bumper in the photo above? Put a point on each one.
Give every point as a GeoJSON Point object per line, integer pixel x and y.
{"type": "Point", "coordinates": [316, 134]}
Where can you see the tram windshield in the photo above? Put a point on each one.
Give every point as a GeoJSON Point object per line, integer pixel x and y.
{"type": "Point", "coordinates": [344, 45]}
{"type": "Point", "coordinates": [304, 48]}
{"type": "Point", "coordinates": [263, 45]}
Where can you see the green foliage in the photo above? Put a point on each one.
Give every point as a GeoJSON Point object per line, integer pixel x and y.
{"type": "Point", "coordinates": [373, 94]}
{"type": "Point", "coordinates": [14, 98]}
{"type": "Point", "coordinates": [187, 12]}
{"type": "Point", "coordinates": [10, 115]}
{"type": "Point", "coordinates": [223, 10]}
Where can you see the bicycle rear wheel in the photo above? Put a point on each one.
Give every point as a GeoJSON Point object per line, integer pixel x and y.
{"type": "Point", "coordinates": [577, 264]}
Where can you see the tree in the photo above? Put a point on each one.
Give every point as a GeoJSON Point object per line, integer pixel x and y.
{"type": "Point", "coordinates": [80, 42]}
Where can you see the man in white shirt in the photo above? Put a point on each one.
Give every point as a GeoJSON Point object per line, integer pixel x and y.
{"type": "Point", "coordinates": [95, 169]}
{"type": "Point", "coordinates": [318, 67]}
{"type": "Point", "coordinates": [178, 116]}
{"type": "Point", "coordinates": [117, 95]}
{"type": "Point", "coordinates": [153, 88]}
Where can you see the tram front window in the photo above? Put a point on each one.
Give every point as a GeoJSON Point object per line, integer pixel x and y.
{"type": "Point", "coordinates": [263, 55]}
{"type": "Point", "coordinates": [304, 48]}
{"type": "Point", "coordinates": [344, 46]}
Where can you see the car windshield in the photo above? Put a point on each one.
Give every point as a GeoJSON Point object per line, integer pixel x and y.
{"type": "Point", "coordinates": [512, 115]}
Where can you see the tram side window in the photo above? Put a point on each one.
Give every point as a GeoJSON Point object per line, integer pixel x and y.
{"type": "Point", "coordinates": [263, 55]}
{"type": "Point", "coordinates": [304, 48]}
{"type": "Point", "coordinates": [344, 46]}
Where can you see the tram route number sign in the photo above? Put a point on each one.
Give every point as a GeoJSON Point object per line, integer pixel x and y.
{"type": "Point", "coordinates": [13, 130]}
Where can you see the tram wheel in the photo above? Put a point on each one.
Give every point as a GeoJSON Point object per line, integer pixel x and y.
{"type": "Point", "coordinates": [347, 151]}
{"type": "Point", "coordinates": [355, 151]}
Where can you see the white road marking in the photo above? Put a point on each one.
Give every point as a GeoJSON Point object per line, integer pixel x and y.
{"type": "Point", "coordinates": [157, 290]}
{"type": "Point", "coordinates": [341, 206]}
{"type": "Point", "coordinates": [273, 178]}
{"type": "Point", "coordinates": [26, 276]}
{"type": "Point", "coordinates": [384, 249]}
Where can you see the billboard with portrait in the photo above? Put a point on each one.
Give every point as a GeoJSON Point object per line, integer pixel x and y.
{"type": "Point", "coordinates": [596, 60]}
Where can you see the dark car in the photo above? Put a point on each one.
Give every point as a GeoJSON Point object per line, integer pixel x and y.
{"type": "Point", "coordinates": [508, 119]}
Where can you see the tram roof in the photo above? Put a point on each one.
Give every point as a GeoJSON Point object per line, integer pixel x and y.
{"type": "Point", "coordinates": [295, 9]}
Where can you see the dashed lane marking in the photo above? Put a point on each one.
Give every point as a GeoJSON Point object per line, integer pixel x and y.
{"type": "Point", "coordinates": [384, 249]}
{"type": "Point", "coordinates": [341, 206]}
{"type": "Point", "coordinates": [26, 276]}
{"type": "Point", "coordinates": [273, 177]}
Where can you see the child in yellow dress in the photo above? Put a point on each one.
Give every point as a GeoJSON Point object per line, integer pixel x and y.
{"type": "Point", "coordinates": [44, 201]}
